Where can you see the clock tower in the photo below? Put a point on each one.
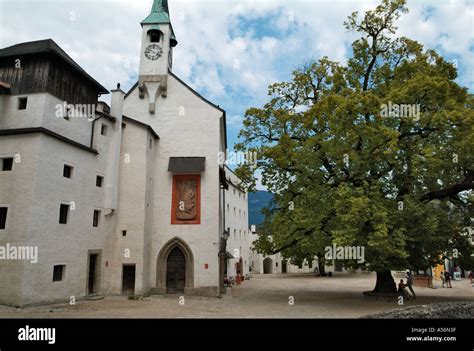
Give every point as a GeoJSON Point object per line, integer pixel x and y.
{"type": "Point", "coordinates": [156, 55]}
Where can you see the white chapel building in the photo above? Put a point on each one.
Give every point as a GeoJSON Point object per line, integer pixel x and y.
{"type": "Point", "coordinates": [122, 199]}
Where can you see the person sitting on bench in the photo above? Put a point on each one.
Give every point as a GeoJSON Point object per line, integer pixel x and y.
{"type": "Point", "coordinates": [402, 289]}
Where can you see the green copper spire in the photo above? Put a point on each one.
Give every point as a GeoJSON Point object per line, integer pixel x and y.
{"type": "Point", "coordinates": [159, 13]}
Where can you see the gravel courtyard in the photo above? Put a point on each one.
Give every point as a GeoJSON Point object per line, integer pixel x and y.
{"type": "Point", "coordinates": [265, 296]}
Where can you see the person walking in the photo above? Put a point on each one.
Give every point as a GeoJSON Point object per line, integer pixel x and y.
{"type": "Point", "coordinates": [410, 284]}
{"type": "Point", "coordinates": [441, 275]}
{"type": "Point", "coordinates": [447, 278]}
{"type": "Point", "coordinates": [470, 276]}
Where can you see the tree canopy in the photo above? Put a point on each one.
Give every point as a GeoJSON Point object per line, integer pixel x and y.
{"type": "Point", "coordinates": [377, 152]}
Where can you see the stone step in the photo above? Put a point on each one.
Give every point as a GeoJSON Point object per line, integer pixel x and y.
{"type": "Point", "coordinates": [95, 297]}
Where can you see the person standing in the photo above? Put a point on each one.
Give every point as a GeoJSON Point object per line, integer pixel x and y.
{"type": "Point", "coordinates": [410, 284]}
{"type": "Point", "coordinates": [441, 275]}
{"type": "Point", "coordinates": [447, 278]}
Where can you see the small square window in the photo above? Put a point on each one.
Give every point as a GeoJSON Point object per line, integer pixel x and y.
{"type": "Point", "coordinates": [98, 181]}
{"type": "Point", "coordinates": [63, 213]}
{"type": "Point", "coordinates": [67, 171]}
{"type": "Point", "coordinates": [3, 217]}
{"type": "Point", "coordinates": [95, 221]}
{"type": "Point", "coordinates": [22, 103]}
{"type": "Point", "coordinates": [58, 273]}
{"type": "Point", "coordinates": [124, 233]}
{"type": "Point", "coordinates": [6, 164]}
{"type": "Point", "coordinates": [103, 129]}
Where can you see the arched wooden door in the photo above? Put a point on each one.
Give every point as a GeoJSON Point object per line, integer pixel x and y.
{"type": "Point", "coordinates": [175, 271]}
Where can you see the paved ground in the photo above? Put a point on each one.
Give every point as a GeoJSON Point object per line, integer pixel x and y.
{"type": "Point", "coordinates": [265, 296]}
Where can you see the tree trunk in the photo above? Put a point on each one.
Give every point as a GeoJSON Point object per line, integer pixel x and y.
{"type": "Point", "coordinates": [385, 283]}
{"type": "Point", "coordinates": [321, 267]}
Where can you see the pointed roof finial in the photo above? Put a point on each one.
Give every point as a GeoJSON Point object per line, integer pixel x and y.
{"type": "Point", "coordinates": [159, 13]}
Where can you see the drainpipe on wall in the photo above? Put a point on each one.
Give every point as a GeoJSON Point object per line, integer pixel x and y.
{"type": "Point", "coordinates": [92, 132]}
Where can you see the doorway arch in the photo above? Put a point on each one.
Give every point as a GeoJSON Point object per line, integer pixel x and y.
{"type": "Point", "coordinates": [268, 266]}
{"type": "Point", "coordinates": [284, 266]}
{"type": "Point", "coordinates": [175, 267]}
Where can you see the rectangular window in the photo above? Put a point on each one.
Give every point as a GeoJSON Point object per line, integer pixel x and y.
{"type": "Point", "coordinates": [186, 199]}
{"type": "Point", "coordinates": [63, 213]}
{"type": "Point", "coordinates": [103, 129]}
{"type": "Point", "coordinates": [67, 171]}
{"type": "Point", "coordinates": [22, 103]}
{"type": "Point", "coordinates": [95, 221]}
{"type": "Point", "coordinates": [124, 233]}
{"type": "Point", "coordinates": [58, 273]}
{"type": "Point", "coordinates": [150, 143]}
{"type": "Point", "coordinates": [98, 181]}
{"type": "Point", "coordinates": [6, 164]}
{"type": "Point", "coordinates": [3, 217]}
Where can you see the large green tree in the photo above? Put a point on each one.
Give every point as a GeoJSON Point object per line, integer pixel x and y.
{"type": "Point", "coordinates": [348, 168]}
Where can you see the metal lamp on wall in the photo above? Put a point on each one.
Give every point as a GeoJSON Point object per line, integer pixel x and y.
{"type": "Point", "coordinates": [225, 234]}
{"type": "Point", "coordinates": [222, 258]}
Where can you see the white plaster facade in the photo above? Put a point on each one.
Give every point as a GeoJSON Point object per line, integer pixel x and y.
{"type": "Point", "coordinates": [238, 244]}
{"type": "Point", "coordinates": [277, 264]}
{"type": "Point", "coordinates": [33, 191]}
{"type": "Point", "coordinates": [135, 199]}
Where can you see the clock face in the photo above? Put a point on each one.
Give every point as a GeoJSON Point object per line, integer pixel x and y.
{"type": "Point", "coordinates": [153, 52]}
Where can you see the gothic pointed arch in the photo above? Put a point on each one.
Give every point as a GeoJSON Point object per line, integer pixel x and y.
{"type": "Point", "coordinates": [161, 267]}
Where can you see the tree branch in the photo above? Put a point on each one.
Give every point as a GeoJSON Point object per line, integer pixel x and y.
{"type": "Point", "coordinates": [466, 184]}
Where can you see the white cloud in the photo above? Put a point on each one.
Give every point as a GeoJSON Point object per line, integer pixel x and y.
{"type": "Point", "coordinates": [235, 120]}
{"type": "Point", "coordinates": [267, 38]}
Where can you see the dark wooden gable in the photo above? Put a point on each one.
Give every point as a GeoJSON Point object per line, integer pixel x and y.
{"type": "Point", "coordinates": [44, 67]}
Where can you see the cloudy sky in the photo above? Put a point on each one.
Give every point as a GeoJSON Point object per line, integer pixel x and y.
{"type": "Point", "coordinates": [228, 50]}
